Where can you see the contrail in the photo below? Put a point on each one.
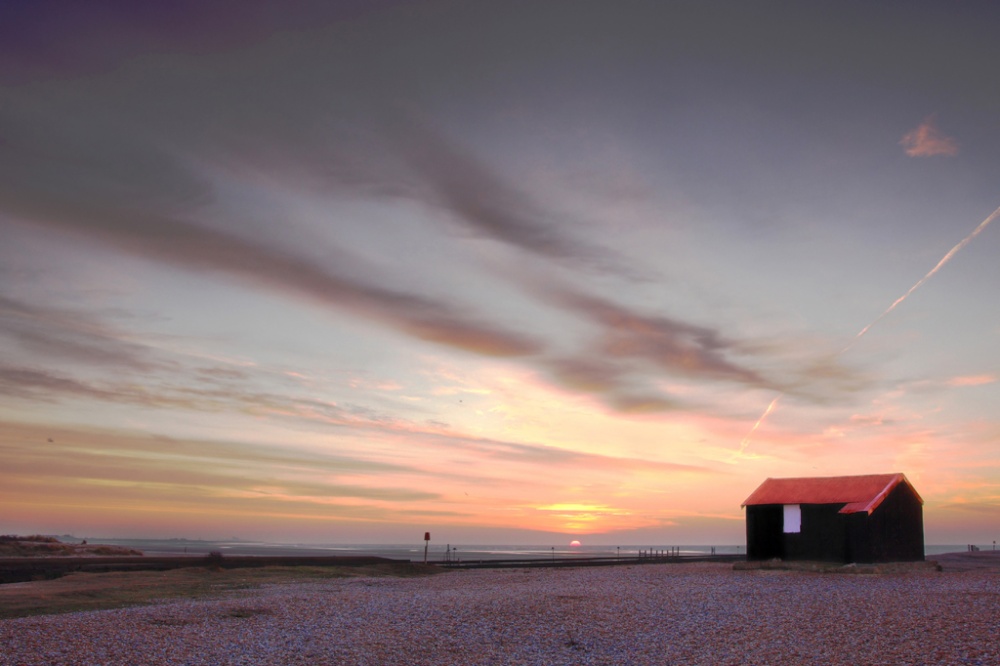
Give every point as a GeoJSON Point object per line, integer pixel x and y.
{"type": "Point", "coordinates": [944, 260]}
{"type": "Point", "coordinates": [770, 408]}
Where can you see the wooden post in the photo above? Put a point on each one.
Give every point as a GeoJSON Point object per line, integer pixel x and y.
{"type": "Point", "coordinates": [427, 541]}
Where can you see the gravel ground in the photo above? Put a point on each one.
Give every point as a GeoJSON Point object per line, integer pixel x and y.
{"type": "Point", "coordinates": [651, 614]}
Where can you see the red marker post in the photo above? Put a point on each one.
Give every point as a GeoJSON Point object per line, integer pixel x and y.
{"type": "Point", "coordinates": [427, 542]}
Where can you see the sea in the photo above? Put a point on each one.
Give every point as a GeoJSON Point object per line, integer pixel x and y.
{"type": "Point", "coordinates": [437, 552]}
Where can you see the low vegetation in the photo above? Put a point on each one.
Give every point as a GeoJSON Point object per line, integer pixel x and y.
{"type": "Point", "coordinates": [98, 591]}
{"type": "Point", "coordinates": [36, 545]}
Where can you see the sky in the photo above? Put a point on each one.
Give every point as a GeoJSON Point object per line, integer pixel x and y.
{"type": "Point", "coordinates": [518, 272]}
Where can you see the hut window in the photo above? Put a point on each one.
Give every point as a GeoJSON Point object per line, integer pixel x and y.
{"type": "Point", "coordinates": [793, 518]}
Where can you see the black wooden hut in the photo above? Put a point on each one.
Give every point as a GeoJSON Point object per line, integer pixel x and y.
{"type": "Point", "coordinates": [871, 518]}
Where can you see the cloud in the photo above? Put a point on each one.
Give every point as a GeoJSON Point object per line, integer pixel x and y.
{"type": "Point", "coordinates": [38, 384]}
{"type": "Point", "coordinates": [478, 198]}
{"type": "Point", "coordinates": [294, 114]}
{"type": "Point", "coordinates": [480, 453]}
{"type": "Point", "coordinates": [639, 404]}
{"type": "Point", "coordinates": [69, 335]}
{"type": "Point", "coordinates": [551, 457]}
{"type": "Point", "coordinates": [116, 472]}
{"type": "Point", "coordinates": [989, 508]}
{"type": "Point", "coordinates": [827, 379]}
{"type": "Point", "coordinates": [678, 348]}
{"type": "Point", "coordinates": [115, 171]}
{"type": "Point", "coordinates": [586, 373]}
{"type": "Point", "coordinates": [203, 468]}
{"type": "Point", "coordinates": [971, 380]}
{"type": "Point", "coordinates": [927, 141]}
{"type": "Point", "coordinates": [101, 161]}
{"type": "Point", "coordinates": [173, 240]}
{"type": "Point", "coordinates": [924, 386]}
{"type": "Point", "coordinates": [34, 384]}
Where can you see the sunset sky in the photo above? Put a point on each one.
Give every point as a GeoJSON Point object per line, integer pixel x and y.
{"type": "Point", "coordinates": [508, 272]}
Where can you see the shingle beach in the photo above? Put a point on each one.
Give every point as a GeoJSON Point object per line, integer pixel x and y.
{"type": "Point", "coordinates": [650, 614]}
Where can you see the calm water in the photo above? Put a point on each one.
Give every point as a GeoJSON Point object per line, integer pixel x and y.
{"type": "Point", "coordinates": [436, 552]}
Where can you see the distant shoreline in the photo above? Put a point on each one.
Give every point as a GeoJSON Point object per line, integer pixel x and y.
{"type": "Point", "coordinates": [437, 551]}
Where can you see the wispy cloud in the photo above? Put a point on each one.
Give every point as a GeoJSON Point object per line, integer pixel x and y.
{"type": "Point", "coordinates": [38, 384]}
{"type": "Point", "coordinates": [675, 347]}
{"type": "Point", "coordinates": [926, 140]}
{"type": "Point", "coordinates": [476, 452]}
{"type": "Point", "coordinates": [549, 457]}
{"type": "Point", "coordinates": [107, 176]}
{"type": "Point", "coordinates": [273, 481]}
{"type": "Point", "coordinates": [210, 470]}
{"type": "Point", "coordinates": [972, 380]}
{"type": "Point", "coordinates": [643, 404]}
{"type": "Point", "coordinates": [70, 335]}
{"type": "Point", "coordinates": [176, 241]}
{"type": "Point", "coordinates": [452, 179]}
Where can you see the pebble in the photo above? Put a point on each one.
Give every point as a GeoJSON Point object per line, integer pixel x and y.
{"type": "Point", "coordinates": [649, 614]}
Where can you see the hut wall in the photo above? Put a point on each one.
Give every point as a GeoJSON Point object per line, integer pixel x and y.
{"type": "Point", "coordinates": [823, 535]}
{"type": "Point", "coordinates": [859, 538]}
{"type": "Point", "coordinates": [896, 528]}
{"type": "Point", "coordinates": [764, 525]}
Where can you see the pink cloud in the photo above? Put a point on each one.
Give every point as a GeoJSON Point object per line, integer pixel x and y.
{"type": "Point", "coordinates": [926, 141]}
{"type": "Point", "coordinates": [972, 380]}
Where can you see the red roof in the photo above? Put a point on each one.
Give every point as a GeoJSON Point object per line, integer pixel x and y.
{"type": "Point", "coordinates": [856, 493]}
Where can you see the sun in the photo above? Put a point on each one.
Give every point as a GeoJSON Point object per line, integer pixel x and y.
{"type": "Point", "coordinates": [574, 543]}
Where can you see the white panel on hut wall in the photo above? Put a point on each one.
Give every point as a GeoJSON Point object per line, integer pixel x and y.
{"type": "Point", "coordinates": [793, 518]}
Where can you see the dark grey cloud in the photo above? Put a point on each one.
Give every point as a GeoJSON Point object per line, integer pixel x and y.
{"type": "Point", "coordinates": [219, 375]}
{"type": "Point", "coordinates": [631, 350]}
{"type": "Point", "coordinates": [61, 335]}
{"type": "Point", "coordinates": [642, 404]}
{"type": "Point", "coordinates": [452, 179]}
{"type": "Point", "coordinates": [116, 166]}
{"type": "Point", "coordinates": [56, 385]}
{"type": "Point", "coordinates": [830, 379]}
{"type": "Point", "coordinates": [677, 347]}
{"type": "Point", "coordinates": [171, 239]}
{"type": "Point", "coordinates": [619, 385]}
{"type": "Point", "coordinates": [37, 384]}
{"type": "Point", "coordinates": [294, 110]}
{"type": "Point", "coordinates": [362, 103]}
{"type": "Point", "coordinates": [587, 373]}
